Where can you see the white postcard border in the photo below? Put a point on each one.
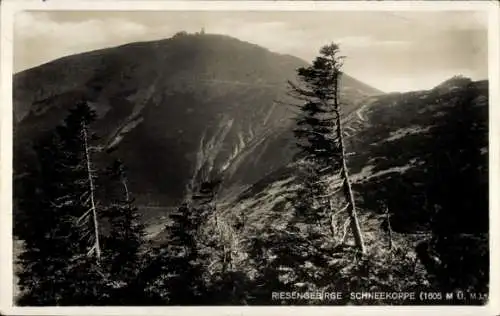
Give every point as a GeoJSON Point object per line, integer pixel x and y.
{"type": "Point", "coordinates": [10, 7]}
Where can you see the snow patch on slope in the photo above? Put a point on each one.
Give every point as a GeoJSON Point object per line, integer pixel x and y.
{"type": "Point", "coordinates": [367, 172]}
{"type": "Point", "coordinates": [402, 132]}
{"type": "Point", "coordinates": [122, 131]}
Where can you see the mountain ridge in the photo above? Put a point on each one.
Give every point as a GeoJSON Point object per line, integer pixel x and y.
{"type": "Point", "coordinates": [194, 109]}
{"type": "Point", "coordinates": [173, 133]}
{"type": "Point", "coordinates": [393, 142]}
{"type": "Point", "coordinates": [147, 48]}
{"type": "Point", "coordinates": [201, 104]}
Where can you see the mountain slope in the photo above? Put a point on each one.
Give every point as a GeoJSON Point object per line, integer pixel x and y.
{"type": "Point", "coordinates": [427, 150]}
{"type": "Point", "coordinates": [200, 107]}
{"type": "Point", "coordinates": [412, 152]}
{"type": "Point", "coordinates": [422, 157]}
{"type": "Point", "coordinates": [177, 111]}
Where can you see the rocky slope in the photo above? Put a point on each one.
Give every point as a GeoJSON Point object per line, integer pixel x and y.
{"type": "Point", "coordinates": [195, 107]}
{"type": "Point", "coordinates": [412, 152]}
{"type": "Point", "coordinates": [199, 107]}
{"type": "Point", "coordinates": [423, 157]}
{"type": "Point", "coordinates": [176, 111]}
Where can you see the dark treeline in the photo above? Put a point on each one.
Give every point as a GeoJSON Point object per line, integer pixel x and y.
{"type": "Point", "coordinates": [84, 242]}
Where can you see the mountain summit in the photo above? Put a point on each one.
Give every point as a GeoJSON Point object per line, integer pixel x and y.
{"type": "Point", "coordinates": [178, 110]}
{"type": "Point", "coordinates": [210, 117]}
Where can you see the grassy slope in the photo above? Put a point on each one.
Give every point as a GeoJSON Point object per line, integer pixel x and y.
{"type": "Point", "coordinates": [167, 98]}
{"type": "Point", "coordinates": [392, 134]}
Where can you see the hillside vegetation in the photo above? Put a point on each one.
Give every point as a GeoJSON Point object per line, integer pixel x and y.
{"type": "Point", "coordinates": [204, 125]}
{"type": "Point", "coordinates": [202, 103]}
{"type": "Point", "coordinates": [411, 154]}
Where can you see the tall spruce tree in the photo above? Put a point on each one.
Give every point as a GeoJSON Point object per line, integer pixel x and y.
{"type": "Point", "coordinates": [176, 275]}
{"type": "Point", "coordinates": [122, 253]}
{"type": "Point", "coordinates": [185, 233]}
{"type": "Point", "coordinates": [55, 265]}
{"type": "Point", "coordinates": [76, 139]}
{"type": "Point", "coordinates": [320, 138]}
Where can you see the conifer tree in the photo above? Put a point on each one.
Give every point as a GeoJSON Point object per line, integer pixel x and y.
{"type": "Point", "coordinates": [76, 139]}
{"type": "Point", "coordinates": [123, 243]}
{"type": "Point", "coordinates": [320, 136]}
{"type": "Point", "coordinates": [186, 233]}
{"type": "Point", "coordinates": [55, 266]}
{"type": "Point", "coordinates": [176, 275]}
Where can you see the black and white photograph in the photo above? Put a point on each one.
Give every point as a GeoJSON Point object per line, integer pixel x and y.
{"type": "Point", "coordinates": [244, 156]}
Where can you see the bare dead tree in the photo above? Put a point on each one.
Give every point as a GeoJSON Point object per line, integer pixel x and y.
{"type": "Point", "coordinates": [346, 183]}
{"type": "Point", "coordinates": [389, 228]}
{"type": "Point", "coordinates": [331, 51]}
{"type": "Point", "coordinates": [92, 210]}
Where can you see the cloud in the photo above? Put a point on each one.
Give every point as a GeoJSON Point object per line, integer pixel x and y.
{"type": "Point", "coordinates": [39, 38]}
{"type": "Point", "coordinates": [278, 36]}
{"type": "Point", "coordinates": [446, 20]}
{"type": "Point", "coordinates": [365, 41]}
{"type": "Point", "coordinates": [29, 25]}
{"type": "Point", "coordinates": [406, 46]}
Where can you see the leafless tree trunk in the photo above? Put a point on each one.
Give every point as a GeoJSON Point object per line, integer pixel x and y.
{"type": "Point", "coordinates": [344, 174]}
{"type": "Point", "coordinates": [389, 228]}
{"type": "Point", "coordinates": [96, 247]}
{"type": "Point", "coordinates": [123, 179]}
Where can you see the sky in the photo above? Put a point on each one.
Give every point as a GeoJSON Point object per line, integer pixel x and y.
{"type": "Point", "coordinates": [391, 51]}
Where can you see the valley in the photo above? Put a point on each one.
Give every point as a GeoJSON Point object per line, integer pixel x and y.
{"type": "Point", "coordinates": [202, 108]}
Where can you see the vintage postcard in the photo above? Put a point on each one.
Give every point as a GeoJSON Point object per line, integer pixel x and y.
{"type": "Point", "coordinates": [266, 157]}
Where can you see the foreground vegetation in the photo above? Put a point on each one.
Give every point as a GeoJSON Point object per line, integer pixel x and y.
{"type": "Point", "coordinates": [84, 244]}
